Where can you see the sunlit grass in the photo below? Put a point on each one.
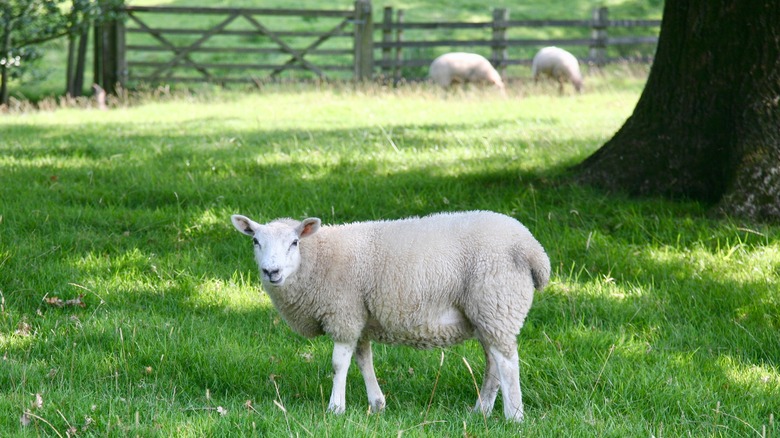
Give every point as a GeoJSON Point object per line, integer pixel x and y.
{"type": "Point", "coordinates": [659, 320]}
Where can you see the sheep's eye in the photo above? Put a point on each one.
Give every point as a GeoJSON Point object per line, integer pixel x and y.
{"type": "Point", "coordinates": [294, 243]}
{"type": "Point", "coordinates": [255, 241]}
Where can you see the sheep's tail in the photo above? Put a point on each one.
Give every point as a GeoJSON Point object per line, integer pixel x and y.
{"type": "Point", "coordinates": [534, 257]}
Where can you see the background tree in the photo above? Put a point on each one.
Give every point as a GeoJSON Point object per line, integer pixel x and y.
{"type": "Point", "coordinates": [82, 13]}
{"type": "Point", "coordinates": [26, 24]}
{"type": "Point", "coordinates": [707, 125]}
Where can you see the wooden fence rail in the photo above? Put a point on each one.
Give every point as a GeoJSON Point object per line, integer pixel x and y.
{"type": "Point", "coordinates": [497, 41]}
{"type": "Point", "coordinates": [146, 48]}
{"type": "Point", "coordinates": [195, 54]}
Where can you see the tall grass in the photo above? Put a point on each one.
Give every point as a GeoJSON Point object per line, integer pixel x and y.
{"type": "Point", "coordinates": [660, 319]}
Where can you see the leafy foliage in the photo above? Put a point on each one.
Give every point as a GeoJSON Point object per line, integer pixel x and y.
{"type": "Point", "coordinates": [26, 24]}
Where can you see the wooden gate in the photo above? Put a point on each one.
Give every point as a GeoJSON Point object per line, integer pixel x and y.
{"type": "Point", "coordinates": [223, 45]}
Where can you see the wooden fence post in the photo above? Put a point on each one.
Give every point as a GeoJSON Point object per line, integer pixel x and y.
{"type": "Point", "coordinates": [598, 43]}
{"type": "Point", "coordinates": [387, 37]}
{"type": "Point", "coordinates": [364, 41]}
{"type": "Point", "coordinates": [110, 65]}
{"type": "Point", "coordinates": [499, 54]}
{"type": "Point", "coordinates": [105, 60]}
{"type": "Point", "coordinates": [399, 37]}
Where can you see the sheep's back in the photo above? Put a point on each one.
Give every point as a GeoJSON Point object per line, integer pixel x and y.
{"type": "Point", "coordinates": [556, 62]}
{"type": "Point", "coordinates": [427, 270]}
{"type": "Point", "coordinates": [462, 67]}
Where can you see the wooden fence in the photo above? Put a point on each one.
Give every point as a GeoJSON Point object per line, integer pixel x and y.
{"type": "Point", "coordinates": [497, 42]}
{"type": "Point", "coordinates": [220, 51]}
{"type": "Point", "coordinates": [146, 49]}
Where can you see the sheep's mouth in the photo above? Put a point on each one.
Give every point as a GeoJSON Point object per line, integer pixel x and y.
{"type": "Point", "coordinates": [276, 281]}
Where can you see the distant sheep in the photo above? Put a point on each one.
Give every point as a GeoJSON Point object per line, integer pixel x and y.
{"type": "Point", "coordinates": [424, 282]}
{"type": "Point", "coordinates": [459, 67]}
{"type": "Point", "coordinates": [559, 65]}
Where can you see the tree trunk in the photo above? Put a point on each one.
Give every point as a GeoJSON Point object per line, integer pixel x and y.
{"type": "Point", "coordinates": [5, 47]}
{"type": "Point", "coordinates": [70, 69]}
{"type": "Point", "coordinates": [81, 60]}
{"type": "Point", "coordinates": [707, 125]}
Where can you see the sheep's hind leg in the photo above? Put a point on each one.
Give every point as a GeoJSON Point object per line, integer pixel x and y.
{"type": "Point", "coordinates": [509, 378]}
{"type": "Point", "coordinates": [342, 356]}
{"type": "Point", "coordinates": [365, 362]}
{"type": "Point", "coordinates": [490, 384]}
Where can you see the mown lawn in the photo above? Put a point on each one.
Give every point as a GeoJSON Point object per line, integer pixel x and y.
{"type": "Point", "coordinates": [660, 318]}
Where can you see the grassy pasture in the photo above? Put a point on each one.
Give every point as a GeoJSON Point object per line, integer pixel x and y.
{"type": "Point", "coordinates": [660, 319]}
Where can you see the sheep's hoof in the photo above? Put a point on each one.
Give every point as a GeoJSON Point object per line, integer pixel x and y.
{"type": "Point", "coordinates": [336, 409]}
{"type": "Point", "coordinates": [516, 416]}
{"type": "Point", "coordinates": [377, 406]}
{"type": "Point", "coordinates": [479, 409]}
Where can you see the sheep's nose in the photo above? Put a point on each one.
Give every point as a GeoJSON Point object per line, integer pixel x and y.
{"type": "Point", "coordinates": [272, 274]}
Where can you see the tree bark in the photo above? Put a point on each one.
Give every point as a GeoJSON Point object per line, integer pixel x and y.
{"type": "Point", "coordinates": [707, 126]}
{"type": "Point", "coordinates": [81, 60]}
{"type": "Point", "coordinates": [5, 47]}
{"type": "Point", "coordinates": [70, 69]}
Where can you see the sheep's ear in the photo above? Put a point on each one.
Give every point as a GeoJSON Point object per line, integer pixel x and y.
{"type": "Point", "coordinates": [308, 227]}
{"type": "Point", "coordinates": [244, 224]}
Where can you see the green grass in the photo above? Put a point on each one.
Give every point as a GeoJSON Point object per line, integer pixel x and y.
{"type": "Point", "coordinates": [659, 320]}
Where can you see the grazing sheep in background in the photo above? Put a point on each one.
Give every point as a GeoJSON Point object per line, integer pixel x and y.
{"type": "Point", "coordinates": [424, 282]}
{"type": "Point", "coordinates": [559, 65]}
{"type": "Point", "coordinates": [459, 67]}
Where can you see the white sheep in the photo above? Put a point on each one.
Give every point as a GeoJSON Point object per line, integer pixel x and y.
{"type": "Point", "coordinates": [424, 282]}
{"type": "Point", "coordinates": [459, 67]}
{"type": "Point", "coordinates": [558, 64]}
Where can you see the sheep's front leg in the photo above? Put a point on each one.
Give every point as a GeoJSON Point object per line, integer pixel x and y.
{"type": "Point", "coordinates": [365, 361]}
{"type": "Point", "coordinates": [342, 355]}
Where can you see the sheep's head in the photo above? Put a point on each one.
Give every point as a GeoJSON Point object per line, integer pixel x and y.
{"type": "Point", "coordinates": [276, 245]}
{"type": "Point", "coordinates": [577, 82]}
